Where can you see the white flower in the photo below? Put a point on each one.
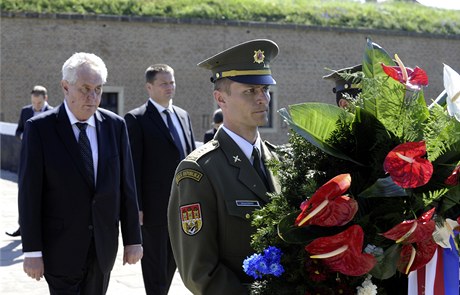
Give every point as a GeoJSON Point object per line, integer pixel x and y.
{"type": "Point", "coordinates": [367, 287]}
{"type": "Point", "coordinates": [452, 86]}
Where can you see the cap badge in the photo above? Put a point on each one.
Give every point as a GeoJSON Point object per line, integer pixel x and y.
{"type": "Point", "coordinates": [259, 56]}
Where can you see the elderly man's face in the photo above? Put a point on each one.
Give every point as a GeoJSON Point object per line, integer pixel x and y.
{"type": "Point", "coordinates": [83, 97]}
{"type": "Point", "coordinates": [38, 101]}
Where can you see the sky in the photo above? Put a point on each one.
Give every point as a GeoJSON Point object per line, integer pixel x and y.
{"type": "Point", "coordinates": [448, 4]}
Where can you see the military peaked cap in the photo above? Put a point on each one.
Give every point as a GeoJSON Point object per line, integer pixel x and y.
{"type": "Point", "coordinates": [247, 63]}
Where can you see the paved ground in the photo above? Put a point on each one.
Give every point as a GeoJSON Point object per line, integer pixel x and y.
{"type": "Point", "coordinates": [125, 279]}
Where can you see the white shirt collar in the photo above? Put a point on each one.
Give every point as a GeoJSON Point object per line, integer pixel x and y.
{"type": "Point", "coordinates": [161, 108]}
{"type": "Point", "coordinates": [45, 105]}
{"type": "Point", "coordinates": [243, 144]}
{"type": "Point", "coordinates": [91, 121]}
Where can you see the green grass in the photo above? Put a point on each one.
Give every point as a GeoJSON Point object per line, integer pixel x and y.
{"type": "Point", "coordinates": [390, 15]}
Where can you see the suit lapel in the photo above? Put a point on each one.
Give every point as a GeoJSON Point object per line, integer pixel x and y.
{"type": "Point", "coordinates": [102, 142]}
{"type": "Point", "coordinates": [183, 124]}
{"type": "Point", "coordinates": [64, 130]}
{"type": "Point", "coordinates": [155, 116]}
{"type": "Point", "coordinates": [235, 157]}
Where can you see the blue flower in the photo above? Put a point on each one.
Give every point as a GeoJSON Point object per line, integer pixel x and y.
{"type": "Point", "coordinates": [257, 265]}
{"type": "Point", "coordinates": [276, 269]}
{"type": "Point", "coordinates": [273, 254]}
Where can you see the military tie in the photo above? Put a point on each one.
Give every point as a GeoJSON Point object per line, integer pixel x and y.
{"type": "Point", "coordinates": [85, 150]}
{"type": "Point", "coordinates": [258, 166]}
{"type": "Point", "coordinates": [175, 135]}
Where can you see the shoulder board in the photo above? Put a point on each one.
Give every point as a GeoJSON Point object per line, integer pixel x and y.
{"type": "Point", "coordinates": [203, 150]}
{"type": "Point", "coordinates": [270, 145]}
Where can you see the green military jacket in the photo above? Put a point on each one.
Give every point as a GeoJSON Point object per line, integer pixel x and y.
{"type": "Point", "coordinates": [214, 192]}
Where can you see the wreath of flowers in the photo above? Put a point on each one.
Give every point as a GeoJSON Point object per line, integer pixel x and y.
{"type": "Point", "coordinates": [368, 192]}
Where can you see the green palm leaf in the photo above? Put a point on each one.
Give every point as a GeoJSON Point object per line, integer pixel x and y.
{"type": "Point", "coordinates": [316, 122]}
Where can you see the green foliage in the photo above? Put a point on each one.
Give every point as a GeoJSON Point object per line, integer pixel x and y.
{"type": "Point", "coordinates": [328, 141]}
{"type": "Point", "coordinates": [443, 133]}
{"type": "Point", "coordinates": [391, 15]}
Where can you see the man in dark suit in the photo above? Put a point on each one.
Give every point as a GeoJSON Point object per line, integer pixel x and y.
{"type": "Point", "coordinates": [39, 104]}
{"type": "Point", "coordinates": [161, 136]}
{"type": "Point", "coordinates": [39, 100]}
{"type": "Point", "coordinates": [76, 187]}
{"type": "Point", "coordinates": [219, 185]}
{"type": "Point", "coordinates": [217, 119]}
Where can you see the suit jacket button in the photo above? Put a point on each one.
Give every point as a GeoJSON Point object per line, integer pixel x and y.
{"type": "Point", "coordinates": [90, 227]}
{"type": "Point", "coordinates": [94, 202]}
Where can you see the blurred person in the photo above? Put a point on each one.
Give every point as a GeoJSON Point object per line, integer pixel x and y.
{"type": "Point", "coordinates": [39, 104]}
{"type": "Point", "coordinates": [217, 119]}
{"type": "Point", "coordinates": [345, 88]}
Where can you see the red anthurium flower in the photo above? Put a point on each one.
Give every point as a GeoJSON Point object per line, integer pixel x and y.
{"type": "Point", "coordinates": [343, 252]}
{"type": "Point", "coordinates": [406, 166]}
{"type": "Point", "coordinates": [418, 232]}
{"type": "Point", "coordinates": [412, 78]}
{"type": "Point", "coordinates": [411, 231]}
{"type": "Point", "coordinates": [328, 206]}
{"type": "Point", "coordinates": [453, 179]}
{"type": "Point", "coordinates": [413, 258]}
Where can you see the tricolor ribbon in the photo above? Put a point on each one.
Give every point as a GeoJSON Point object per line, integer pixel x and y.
{"type": "Point", "coordinates": [440, 276]}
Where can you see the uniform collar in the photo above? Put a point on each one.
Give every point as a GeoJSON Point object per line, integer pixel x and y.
{"type": "Point", "coordinates": [242, 143]}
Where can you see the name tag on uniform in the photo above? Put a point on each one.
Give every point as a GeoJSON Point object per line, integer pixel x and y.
{"type": "Point", "coordinates": [247, 203]}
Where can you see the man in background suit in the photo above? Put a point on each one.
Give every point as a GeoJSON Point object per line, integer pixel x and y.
{"type": "Point", "coordinates": [157, 148]}
{"type": "Point", "coordinates": [76, 187]}
{"type": "Point", "coordinates": [217, 119]}
{"type": "Point", "coordinates": [39, 99]}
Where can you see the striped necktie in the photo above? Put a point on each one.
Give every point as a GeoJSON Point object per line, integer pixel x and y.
{"type": "Point", "coordinates": [85, 150]}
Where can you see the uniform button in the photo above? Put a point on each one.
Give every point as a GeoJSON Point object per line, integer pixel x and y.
{"type": "Point", "coordinates": [90, 227]}
{"type": "Point", "coordinates": [248, 215]}
{"type": "Point", "coordinates": [94, 202]}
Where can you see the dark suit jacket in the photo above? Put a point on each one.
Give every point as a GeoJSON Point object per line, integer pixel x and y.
{"type": "Point", "coordinates": [27, 112]}
{"type": "Point", "coordinates": [155, 158]}
{"type": "Point", "coordinates": [209, 134]}
{"type": "Point", "coordinates": [60, 209]}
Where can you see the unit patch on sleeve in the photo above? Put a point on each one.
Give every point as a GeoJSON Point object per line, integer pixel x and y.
{"type": "Point", "coordinates": [191, 219]}
{"type": "Point", "coordinates": [188, 173]}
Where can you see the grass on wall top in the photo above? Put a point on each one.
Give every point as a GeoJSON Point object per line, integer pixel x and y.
{"type": "Point", "coordinates": [390, 15]}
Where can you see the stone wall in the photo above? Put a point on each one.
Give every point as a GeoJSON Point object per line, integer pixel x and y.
{"type": "Point", "coordinates": [34, 47]}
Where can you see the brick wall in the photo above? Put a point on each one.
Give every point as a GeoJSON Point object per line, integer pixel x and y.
{"type": "Point", "coordinates": [34, 47]}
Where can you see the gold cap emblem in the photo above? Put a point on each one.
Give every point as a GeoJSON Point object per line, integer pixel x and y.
{"type": "Point", "coordinates": [259, 56]}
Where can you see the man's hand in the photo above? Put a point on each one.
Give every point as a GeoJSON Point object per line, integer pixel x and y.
{"type": "Point", "coordinates": [132, 254]}
{"type": "Point", "coordinates": [33, 267]}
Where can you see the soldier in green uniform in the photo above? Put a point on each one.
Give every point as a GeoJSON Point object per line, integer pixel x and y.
{"type": "Point", "coordinates": [216, 188]}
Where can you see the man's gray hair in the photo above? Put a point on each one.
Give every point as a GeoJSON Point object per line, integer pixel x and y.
{"type": "Point", "coordinates": [70, 67]}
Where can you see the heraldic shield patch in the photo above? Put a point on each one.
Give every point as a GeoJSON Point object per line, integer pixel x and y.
{"type": "Point", "coordinates": [191, 219]}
